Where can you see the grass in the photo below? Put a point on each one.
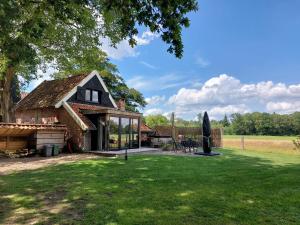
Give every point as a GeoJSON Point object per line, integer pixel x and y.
{"type": "Point", "coordinates": [282, 144]}
{"type": "Point", "coordinates": [235, 188]}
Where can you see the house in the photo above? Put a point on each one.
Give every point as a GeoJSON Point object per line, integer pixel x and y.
{"type": "Point", "coordinates": [146, 133]}
{"type": "Point", "coordinates": [83, 103]}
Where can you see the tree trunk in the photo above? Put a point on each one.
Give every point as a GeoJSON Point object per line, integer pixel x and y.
{"type": "Point", "coordinates": [7, 103]}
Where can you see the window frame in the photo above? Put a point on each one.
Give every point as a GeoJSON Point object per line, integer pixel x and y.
{"type": "Point", "coordinates": [90, 99]}
{"type": "Point", "coordinates": [85, 95]}
{"type": "Point", "coordinates": [92, 96]}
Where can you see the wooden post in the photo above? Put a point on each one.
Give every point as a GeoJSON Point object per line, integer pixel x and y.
{"type": "Point", "coordinates": [173, 128]}
{"type": "Point", "coordinates": [106, 135]}
{"type": "Point", "coordinates": [139, 131]}
{"type": "Point", "coordinates": [242, 142]}
{"type": "Point", "coordinates": [221, 137]}
{"type": "Point", "coordinates": [100, 134]}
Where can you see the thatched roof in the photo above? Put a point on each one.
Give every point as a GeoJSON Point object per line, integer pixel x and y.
{"type": "Point", "coordinates": [48, 93]}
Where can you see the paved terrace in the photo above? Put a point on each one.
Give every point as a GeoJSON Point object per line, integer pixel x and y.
{"type": "Point", "coordinates": [122, 152]}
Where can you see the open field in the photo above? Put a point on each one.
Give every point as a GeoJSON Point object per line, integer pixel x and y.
{"type": "Point", "coordinates": [235, 188]}
{"type": "Point", "coordinates": [261, 137]}
{"type": "Point", "coordinates": [261, 143]}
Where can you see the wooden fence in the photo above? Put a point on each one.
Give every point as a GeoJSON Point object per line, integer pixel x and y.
{"type": "Point", "coordinates": [194, 133]}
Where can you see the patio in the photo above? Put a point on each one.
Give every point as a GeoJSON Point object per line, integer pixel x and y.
{"type": "Point", "coordinates": [123, 151]}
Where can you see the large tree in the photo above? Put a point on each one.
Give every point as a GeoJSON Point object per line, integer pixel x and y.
{"type": "Point", "coordinates": [34, 33]}
{"type": "Point", "coordinates": [156, 120]}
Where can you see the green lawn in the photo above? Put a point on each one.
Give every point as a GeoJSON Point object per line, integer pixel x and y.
{"type": "Point", "coordinates": [235, 188]}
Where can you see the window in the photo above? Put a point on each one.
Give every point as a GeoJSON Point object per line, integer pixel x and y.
{"type": "Point", "coordinates": [95, 96]}
{"type": "Point", "coordinates": [114, 123]}
{"type": "Point", "coordinates": [125, 132]}
{"type": "Point", "coordinates": [92, 96]}
{"type": "Point", "coordinates": [134, 140]}
{"type": "Point", "coordinates": [88, 95]}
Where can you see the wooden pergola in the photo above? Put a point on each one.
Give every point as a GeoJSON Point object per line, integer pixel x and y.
{"type": "Point", "coordinates": [107, 113]}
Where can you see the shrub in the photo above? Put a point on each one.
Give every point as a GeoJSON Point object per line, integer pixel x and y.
{"type": "Point", "coordinates": [297, 143]}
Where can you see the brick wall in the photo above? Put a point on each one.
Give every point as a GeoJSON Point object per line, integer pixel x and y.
{"type": "Point", "coordinates": [121, 104]}
{"type": "Point", "coordinates": [42, 116]}
{"type": "Point", "coordinates": [74, 131]}
{"type": "Point", "coordinates": [50, 116]}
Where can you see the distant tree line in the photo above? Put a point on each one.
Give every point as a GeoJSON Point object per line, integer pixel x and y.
{"type": "Point", "coordinates": [263, 124]}
{"type": "Point", "coordinates": [242, 124]}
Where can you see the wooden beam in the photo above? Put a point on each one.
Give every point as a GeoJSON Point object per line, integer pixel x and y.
{"type": "Point", "coordinates": [100, 134]}
{"type": "Point", "coordinates": [106, 135]}
{"type": "Point", "coordinates": [140, 133]}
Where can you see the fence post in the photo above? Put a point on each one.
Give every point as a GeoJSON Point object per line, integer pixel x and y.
{"type": "Point", "coordinates": [242, 142]}
{"type": "Point", "coordinates": [173, 129]}
{"type": "Point", "coordinates": [221, 137]}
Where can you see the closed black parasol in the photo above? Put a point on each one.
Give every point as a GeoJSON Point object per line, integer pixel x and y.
{"type": "Point", "coordinates": [206, 134]}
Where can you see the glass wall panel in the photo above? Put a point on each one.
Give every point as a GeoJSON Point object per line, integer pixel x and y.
{"type": "Point", "coordinates": [114, 132]}
{"type": "Point", "coordinates": [134, 133]}
{"type": "Point", "coordinates": [125, 132]}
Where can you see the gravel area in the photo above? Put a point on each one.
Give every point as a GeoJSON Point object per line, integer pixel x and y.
{"type": "Point", "coordinates": [8, 166]}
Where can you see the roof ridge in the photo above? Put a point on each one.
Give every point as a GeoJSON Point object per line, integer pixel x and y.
{"type": "Point", "coordinates": [48, 92]}
{"type": "Point", "coordinates": [65, 78]}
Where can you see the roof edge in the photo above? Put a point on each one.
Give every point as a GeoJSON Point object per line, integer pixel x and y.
{"type": "Point", "coordinates": [83, 82]}
{"type": "Point", "coordinates": [77, 119]}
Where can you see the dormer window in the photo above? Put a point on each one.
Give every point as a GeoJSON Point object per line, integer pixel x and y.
{"type": "Point", "coordinates": [92, 96]}
{"type": "Point", "coordinates": [87, 95]}
{"type": "Point", "coordinates": [95, 96]}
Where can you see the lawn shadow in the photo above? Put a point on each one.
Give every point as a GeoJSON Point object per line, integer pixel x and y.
{"type": "Point", "coordinates": [155, 189]}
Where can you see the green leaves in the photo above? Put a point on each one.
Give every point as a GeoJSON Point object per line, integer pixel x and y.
{"type": "Point", "coordinates": [67, 34]}
{"type": "Point", "coordinates": [46, 31]}
{"type": "Point", "coordinates": [97, 60]}
{"type": "Point", "coordinates": [156, 120]}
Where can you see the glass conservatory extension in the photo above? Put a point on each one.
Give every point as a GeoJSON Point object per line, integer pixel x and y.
{"type": "Point", "coordinates": [123, 133]}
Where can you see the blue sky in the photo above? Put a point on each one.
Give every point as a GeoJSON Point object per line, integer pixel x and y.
{"type": "Point", "coordinates": [243, 56]}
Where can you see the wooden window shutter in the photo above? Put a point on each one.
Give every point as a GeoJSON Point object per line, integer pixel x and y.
{"type": "Point", "coordinates": [105, 97]}
{"type": "Point", "coordinates": [100, 96]}
{"type": "Point", "coordinates": [80, 93]}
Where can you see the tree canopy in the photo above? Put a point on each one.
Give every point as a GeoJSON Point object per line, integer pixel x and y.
{"type": "Point", "coordinates": [156, 120]}
{"type": "Point", "coordinates": [255, 123]}
{"type": "Point", "coordinates": [36, 33]}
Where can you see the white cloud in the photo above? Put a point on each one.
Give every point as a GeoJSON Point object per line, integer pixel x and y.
{"type": "Point", "coordinates": [148, 65]}
{"type": "Point", "coordinates": [164, 82]}
{"type": "Point", "coordinates": [225, 95]}
{"type": "Point", "coordinates": [219, 111]}
{"type": "Point", "coordinates": [202, 62]}
{"type": "Point", "coordinates": [154, 100]}
{"type": "Point", "coordinates": [153, 111]}
{"type": "Point", "coordinates": [123, 49]}
{"type": "Point", "coordinates": [146, 38]}
{"type": "Point", "coordinates": [137, 82]}
{"type": "Point", "coordinates": [283, 107]}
